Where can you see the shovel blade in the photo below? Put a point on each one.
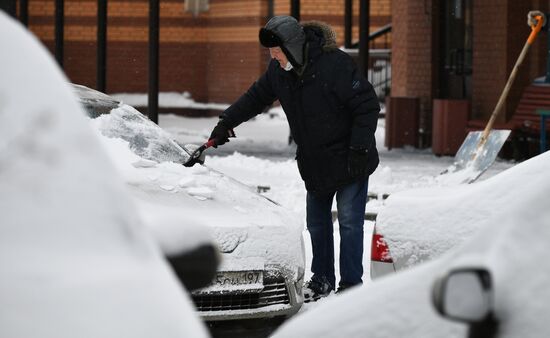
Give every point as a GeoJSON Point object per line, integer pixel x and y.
{"type": "Point", "coordinates": [473, 158]}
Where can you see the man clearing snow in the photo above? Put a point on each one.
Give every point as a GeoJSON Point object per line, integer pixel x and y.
{"type": "Point", "coordinates": [332, 111]}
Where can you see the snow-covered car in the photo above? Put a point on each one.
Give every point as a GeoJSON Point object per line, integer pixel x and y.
{"type": "Point", "coordinates": [496, 282]}
{"type": "Point", "coordinates": [263, 259]}
{"type": "Point", "coordinates": [75, 258]}
{"type": "Point", "coordinates": [418, 225]}
{"type": "Point", "coordinates": [195, 259]}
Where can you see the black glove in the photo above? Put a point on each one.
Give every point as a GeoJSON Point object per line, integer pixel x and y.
{"type": "Point", "coordinates": [221, 133]}
{"type": "Point", "coordinates": [357, 161]}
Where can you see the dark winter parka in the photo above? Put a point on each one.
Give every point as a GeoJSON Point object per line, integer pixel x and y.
{"type": "Point", "coordinates": [330, 107]}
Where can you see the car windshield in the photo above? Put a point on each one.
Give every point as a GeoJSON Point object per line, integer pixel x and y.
{"type": "Point", "coordinates": [119, 120]}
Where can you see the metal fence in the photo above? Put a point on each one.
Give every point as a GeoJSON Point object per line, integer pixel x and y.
{"type": "Point", "coordinates": [379, 72]}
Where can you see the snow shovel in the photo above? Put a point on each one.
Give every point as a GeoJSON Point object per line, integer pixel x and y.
{"type": "Point", "coordinates": [479, 149]}
{"type": "Point", "coordinates": [196, 155]}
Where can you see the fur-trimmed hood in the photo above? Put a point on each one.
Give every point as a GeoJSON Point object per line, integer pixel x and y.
{"type": "Point", "coordinates": [324, 31]}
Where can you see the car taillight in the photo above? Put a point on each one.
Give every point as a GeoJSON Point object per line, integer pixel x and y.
{"type": "Point", "coordinates": [379, 249]}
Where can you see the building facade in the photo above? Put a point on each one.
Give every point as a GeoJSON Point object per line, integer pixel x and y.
{"type": "Point", "coordinates": [462, 50]}
{"type": "Point", "coordinates": [215, 55]}
{"type": "Point", "coordinates": [447, 56]}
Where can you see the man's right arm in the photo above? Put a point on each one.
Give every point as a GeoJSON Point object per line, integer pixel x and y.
{"type": "Point", "coordinates": [259, 96]}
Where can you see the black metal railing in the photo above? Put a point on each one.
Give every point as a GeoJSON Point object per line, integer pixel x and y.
{"type": "Point", "coordinates": [379, 70]}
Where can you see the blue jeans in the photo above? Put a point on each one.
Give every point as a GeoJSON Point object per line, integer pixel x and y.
{"type": "Point", "coordinates": [350, 201]}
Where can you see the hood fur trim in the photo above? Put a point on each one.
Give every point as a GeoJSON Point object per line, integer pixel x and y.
{"type": "Point", "coordinates": [328, 33]}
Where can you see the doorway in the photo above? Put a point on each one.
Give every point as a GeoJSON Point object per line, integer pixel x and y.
{"type": "Point", "coordinates": [455, 63]}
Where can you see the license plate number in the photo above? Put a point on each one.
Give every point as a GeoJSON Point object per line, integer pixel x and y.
{"type": "Point", "coordinates": [239, 278]}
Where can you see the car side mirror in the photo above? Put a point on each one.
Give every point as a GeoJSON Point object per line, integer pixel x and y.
{"type": "Point", "coordinates": [196, 268]}
{"type": "Point", "coordinates": [466, 295]}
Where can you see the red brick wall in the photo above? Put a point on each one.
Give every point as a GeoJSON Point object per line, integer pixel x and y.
{"type": "Point", "coordinates": [182, 50]}
{"type": "Point", "coordinates": [215, 56]}
{"type": "Point", "coordinates": [332, 12]}
{"type": "Point", "coordinates": [489, 54]}
{"type": "Point", "coordinates": [233, 50]}
{"type": "Point", "coordinates": [412, 53]}
{"type": "Point", "coordinates": [232, 68]}
{"type": "Point", "coordinates": [411, 49]}
{"type": "Point", "coordinates": [234, 65]}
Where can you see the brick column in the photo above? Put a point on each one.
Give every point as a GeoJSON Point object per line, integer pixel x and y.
{"type": "Point", "coordinates": [412, 64]}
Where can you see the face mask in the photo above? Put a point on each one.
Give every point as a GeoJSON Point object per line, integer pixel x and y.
{"type": "Point", "coordinates": [288, 66]}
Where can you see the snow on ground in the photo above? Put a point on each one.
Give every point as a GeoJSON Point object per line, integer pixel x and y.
{"type": "Point", "coordinates": [261, 157]}
{"type": "Point", "coordinates": [166, 99]}
{"type": "Point", "coordinates": [265, 138]}
{"type": "Point", "coordinates": [511, 245]}
{"type": "Point", "coordinates": [267, 134]}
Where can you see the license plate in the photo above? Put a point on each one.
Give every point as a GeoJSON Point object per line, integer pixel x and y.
{"type": "Point", "coordinates": [225, 279]}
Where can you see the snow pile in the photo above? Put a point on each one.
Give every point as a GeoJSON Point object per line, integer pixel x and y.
{"type": "Point", "coordinates": [512, 245]}
{"type": "Point", "coordinates": [74, 258]}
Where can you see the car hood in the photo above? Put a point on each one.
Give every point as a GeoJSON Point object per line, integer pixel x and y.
{"type": "Point", "coordinates": [249, 229]}
{"type": "Point", "coordinates": [513, 246]}
{"type": "Point", "coordinates": [420, 224]}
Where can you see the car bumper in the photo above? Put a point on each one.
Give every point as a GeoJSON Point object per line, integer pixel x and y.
{"type": "Point", "coordinates": [278, 297]}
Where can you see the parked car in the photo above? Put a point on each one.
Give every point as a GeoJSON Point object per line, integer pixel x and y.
{"type": "Point", "coordinates": [418, 225]}
{"type": "Point", "coordinates": [263, 259]}
{"type": "Point", "coordinates": [492, 285]}
{"type": "Point", "coordinates": [75, 258]}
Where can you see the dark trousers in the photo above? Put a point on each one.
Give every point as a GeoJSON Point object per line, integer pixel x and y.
{"type": "Point", "coordinates": [350, 203]}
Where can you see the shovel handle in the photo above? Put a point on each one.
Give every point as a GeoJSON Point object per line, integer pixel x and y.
{"type": "Point", "coordinates": [535, 29]}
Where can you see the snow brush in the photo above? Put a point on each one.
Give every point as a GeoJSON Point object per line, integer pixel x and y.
{"type": "Point", "coordinates": [196, 156]}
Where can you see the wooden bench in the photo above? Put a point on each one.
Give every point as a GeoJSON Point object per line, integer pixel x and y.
{"type": "Point", "coordinates": [534, 97]}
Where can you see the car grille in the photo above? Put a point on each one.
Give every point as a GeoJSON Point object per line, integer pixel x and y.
{"type": "Point", "coordinates": [274, 292]}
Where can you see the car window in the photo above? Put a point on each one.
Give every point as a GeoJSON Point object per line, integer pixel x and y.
{"type": "Point", "coordinates": [95, 103]}
{"type": "Point", "coordinates": [119, 120]}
